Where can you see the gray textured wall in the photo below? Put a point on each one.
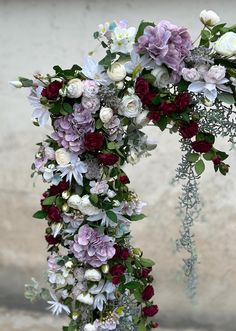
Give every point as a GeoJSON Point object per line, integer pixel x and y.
{"type": "Point", "coordinates": [35, 35]}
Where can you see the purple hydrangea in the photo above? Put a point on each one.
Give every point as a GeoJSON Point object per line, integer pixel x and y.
{"type": "Point", "coordinates": [71, 129]}
{"type": "Point", "coordinates": [166, 43]}
{"type": "Point", "coordinates": [92, 247]}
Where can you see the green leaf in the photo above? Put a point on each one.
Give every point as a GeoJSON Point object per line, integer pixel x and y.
{"type": "Point", "coordinates": [111, 145]}
{"type": "Point", "coordinates": [56, 108]}
{"type": "Point", "coordinates": [209, 155]}
{"type": "Point", "coordinates": [217, 28]}
{"type": "Point", "coordinates": [149, 78]}
{"type": "Point", "coordinates": [162, 123]}
{"type": "Point", "coordinates": [26, 82]}
{"type": "Point", "coordinates": [94, 199]}
{"type": "Point", "coordinates": [40, 214]}
{"type": "Point", "coordinates": [57, 69]}
{"type": "Point", "coordinates": [67, 108]}
{"type": "Point", "coordinates": [49, 200]}
{"type": "Point", "coordinates": [141, 28]}
{"type": "Point", "coordinates": [205, 34]}
{"type": "Point", "coordinates": [182, 85]}
{"type": "Point", "coordinates": [137, 217]}
{"type": "Point", "coordinates": [107, 60]}
{"type": "Point", "coordinates": [147, 263]}
{"type": "Point", "coordinates": [226, 98]}
{"type": "Point", "coordinates": [223, 155]}
{"type": "Point", "coordinates": [199, 167]}
{"type": "Point", "coordinates": [192, 157]}
{"type": "Point", "coordinates": [111, 215]}
{"type": "Point", "coordinates": [156, 100]}
{"type": "Point", "coordinates": [99, 124]}
{"type": "Point", "coordinates": [142, 326]}
{"type": "Point", "coordinates": [133, 285]}
{"type": "Point", "coordinates": [96, 35]}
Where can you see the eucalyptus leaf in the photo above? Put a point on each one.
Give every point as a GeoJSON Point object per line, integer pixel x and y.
{"type": "Point", "coordinates": [226, 98]}
{"type": "Point", "coordinates": [192, 157]}
{"type": "Point", "coordinates": [199, 167]}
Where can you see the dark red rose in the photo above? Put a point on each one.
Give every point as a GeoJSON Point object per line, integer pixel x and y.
{"type": "Point", "coordinates": [56, 189]}
{"type": "Point", "coordinates": [116, 280]}
{"type": "Point", "coordinates": [124, 179]}
{"type": "Point", "coordinates": [189, 130]}
{"type": "Point", "coordinates": [117, 270]}
{"type": "Point", "coordinates": [52, 90]}
{"type": "Point", "coordinates": [182, 101]}
{"type": "Point", "coordinates": [201, 146]}
{"type": "Point", "coordinates": [216, 160]}
{"type": "Point", "coordinates": [54, 214]}
{"type": "Point", "coordinates": [141, 87]}
{"type": "Point", "coordinates": [52, 240]}
{"type": "Point", "coordinates": [148, 293]}
{"type": "Point", "coordinates": [147, 99]}
{"type": "Point", "coordinates": [168, 107]}
{"type": "Point", "coordinates": [154, 116]}
{"type": "Point", "coordinates": [150, 311]}
{"type": "Point", "coordinates": [108, 159]}
{"type": "Point", "coordinates": [64, 186]}
{"type": "Point", "coordinates": [118, 251]}
{"type": "Point", "coordinates": [124, 254]}
{"type": "Point", "coordinates": [93, 141]}
{"type": "Point", "coordinates": [145, 272]}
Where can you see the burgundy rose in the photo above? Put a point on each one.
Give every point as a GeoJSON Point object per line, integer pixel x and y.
{"type": "Point", "coordinates": [147, 99]}
{"type": "Point", "coordinates": [182, 101]}
{"type": "Point", "coordinates": [150, 311]}
{"type": "Point", "coordinates": [141, 87]}
{"type": "Point", "coordinates": [201, 146]}
{"type": "Point", "coordinates": [52, 240]}
{"type": "Point", "coordinates": [168, 107]}
{"type": "Point", "coordinates": [93, 141]}
{"type": "Point", "coordinates": [216, 160]}
{"type": "Point", "coordinates": [56, 189]}
{"type": "Point", "coordinates": [154, 116]}
{"type": "Point", "coordinates": [124, 254]}
{"type": "Point", "coordinates": [108, 159]}
{"type": "Point", "coordinates": [54, 214]}
{"type": "Point", "coordinates": [148, 293]}
{"type": "Point", "coordinates": [117, 270]}
{"type": "Point", "coordinates": [116, 280]}
{"type": "Point", "coordinates": [124, 179]}
{"type": "Point", "coordinates": [189, 130]}
{"type": "Point", "coordinates": [63, 185]}
{"type": "Point", "coordinates": [52, 90]}
{"type": "Point", "coordinates": [145, 272]}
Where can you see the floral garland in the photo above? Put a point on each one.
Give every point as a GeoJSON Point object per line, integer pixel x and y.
{"type": "Point", "coordinates": [156, 76]}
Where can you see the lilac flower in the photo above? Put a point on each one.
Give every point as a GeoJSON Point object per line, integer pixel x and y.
{"type": "Point", "coordinates": [73, 169]}
{"type": "Point", "coordinates": [92, 247]}
{"type": "Point", "coordinates": [40, 113]}
{"type": "Point", "coordinates": [71, 129]}
{"type": "Point", "coordinates": [91, 104]}
{"type": "Point", "coordinates": [166, 43]}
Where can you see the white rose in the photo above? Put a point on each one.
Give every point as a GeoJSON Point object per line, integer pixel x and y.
{"type": "Point", "coordinates": [209, 17]}
{"type": "Point", "coordinates": [117, 72]}
{"type": "Point", "coordinates": [74, 88]}
{"type": "Point", "coordinates": [226, 44]}
{"type": "Point", "coordinates": [141, 120]}
{"type": "Point", "coordinates": [86, 207]}
{"type": "Point", "coordinates": [162, 76]}
{"type": "Point", "coordinates": [16, 83]}
{"type": "Point", "coordinates": [85, 298]}
{"type": "Point", "coordinates": [93, 275]}
{"type": "Point", "coordinates": [74, 201]}
{"type": "Point", "coordinates": [62, 156]}
{"type": "Point", "coordinates": [90, 327]}
{"type": "Point", "coordinates": [190, 75]}
{"type": "Point", "coordinates": [120, 85]}
{"type": "Point", "coordinates": [131, 106]}
{"type": "Point", "coordinates": [105, 114]}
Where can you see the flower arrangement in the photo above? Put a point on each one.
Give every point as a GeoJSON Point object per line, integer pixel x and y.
{"type": "Point", "coordinates": [155, 75]}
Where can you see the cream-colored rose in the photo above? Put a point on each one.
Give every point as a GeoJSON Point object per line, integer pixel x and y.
{"type": "Point", "coordinates": [74, 201]}
{"type": "Point", "coordinates": [105, 114]}
{"type": "Point", "coordinates": [117, 72]}
{"type": "Point", "coordinates": [85, 298]}
{"type": "Point", "coordinates": [93, 275]}
{"type": "Point", "coordinates": [62, 156]}
{"type": "Point", "coordinates": [90, 327]}
{"type": "Point", "coordinates": [74, 88]}
{"type": "Point", "coordinates": [209, 17]}
{"type": "Point", "coordinates": [131, 106]}
{"type": "Point", "coordinates": [141, 120]}
{"type": "Point", "coordinates": [162, 76]}
{"type": "Point", "coordinates": [86, 207]}
{"type": "Point", "coordinates": [226, 44]}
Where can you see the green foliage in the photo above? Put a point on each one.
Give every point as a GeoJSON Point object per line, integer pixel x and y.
{"type": "Point", "coordinates": [40, 214]}
{"type": "Point", "coordinates": [147, 263]}
{"type": "Point", "coordinates": [137, 217]}
{"type": "Point", "coordinates": [49, 200]}
{"type": "Point", "coordinates": [226, 98]}
{"type": "Point", "coordinates": [199, 167]}
{"type": "Point", "coordinates": [192, 157]}
{"type": "Point", "coordinates": [26, 82]}
{"type": "Point", "coordinates": [162, 123]}
{"type": "Point", "coordinates": [111, 215]}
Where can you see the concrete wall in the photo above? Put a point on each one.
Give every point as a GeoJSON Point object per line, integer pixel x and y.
{"type": "Point", "coordinates": [35, 35]}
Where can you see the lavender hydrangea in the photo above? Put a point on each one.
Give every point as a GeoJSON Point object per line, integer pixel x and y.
{"type": "Point", "coordinates": [92, 247]}
{"type": "Point", "coordinates": [166, 43]}
{"type": "Point", "coordinates": [71, 129]}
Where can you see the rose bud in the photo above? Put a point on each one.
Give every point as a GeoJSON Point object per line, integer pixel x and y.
{"type": "Point", "coordinates": [51, 91]}
{"type": "Point", "coordinates": [154, 116]}
{"type": "Point", "coordinates": [54, 214]}
{"type": "Point", "coordinates": [148, 293]}
{"type": "Point", "coordinates": [124, 254]}
{"type": "Point", "coordinates": [93, 141]}
{"type": "Point", "coordinates": [52, 240]}
{"type": "Point", "coordinates": [189, 130]}
{"type": "Point", "coordinates": [216, 160]}
{"type": "Point", "coordinates": [150, 311]}
{"type": "Point", "coordinates": [182, 101]}
{"type": "Point", "coordinates": [145, 272]}
{"type": "Point", "coordinates": [108, 159]}
{"type": "Point", "coordinates": [201, 146]}
{"type": "Point", "coordinates": [124, 179]}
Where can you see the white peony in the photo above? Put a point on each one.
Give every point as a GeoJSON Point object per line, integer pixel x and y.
{"type": "Point", "coordinates": [90, 327]}
{"type": "Point", "coordinates": [226, 44]}
{"type": "Point", "coordinates": [105, 114]}
{"type": "Point", "coordinates": [93, 275]}
{"type": "Point", "coordinates": [209, 17]}
{"type": "Point", "coordinates": [74, 88]}
{"type": "Point", "coordinates": [162, 76]}
{"type": "Point", "coordinates": [117, 72]}
{"type": "Point", "coordinates": [190, 75]}
{"type": "Point", "coordinates": [86, 207]}
{"type": "Point", "coordinates": [86, 298]}
{"type": "Point", "coordinates": [74, 201]}
{"type": "Point", "coordinates": [62, 156]}
{"type": "Point", "coordinates": [131, 106]}
{"type": "Point", "coordinates": [141, 120]}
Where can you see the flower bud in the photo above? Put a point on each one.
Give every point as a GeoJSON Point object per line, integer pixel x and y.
{"type": "Point", "coordinates": [105, 268]}
{"type": "Point", "coordinates": [65, 195]}
{"type": "Point", "coordinates": [209, 17]}
{"type": "Point", "coordinates": [16, 83]}
{"type": "Point", "coordinates": [65, 208]}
